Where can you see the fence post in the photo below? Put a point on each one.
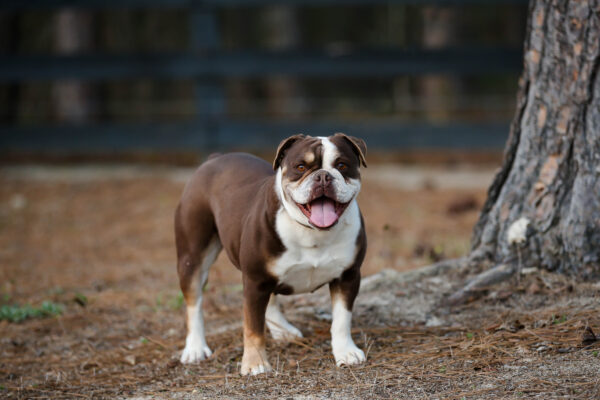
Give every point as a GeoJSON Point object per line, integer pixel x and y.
{"type": "Point", "coordinates": [209, 94]}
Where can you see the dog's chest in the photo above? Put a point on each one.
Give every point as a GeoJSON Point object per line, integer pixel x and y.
{"type": "Point", "coordinates": [313, 258]}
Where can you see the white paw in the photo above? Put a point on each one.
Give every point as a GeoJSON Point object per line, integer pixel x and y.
{"type": "Point", "coordinates": [194, 353]}
{"type": "Point", "coordinates": [285, 333]}
{"type": "Point", "coordinates": [254, 359]}
{"type": "Point", "coordinates": [349, 355]}
{"type": "Point", "coordinates": [260, 369]}
{"type": "Point", "coordinates": [256, 369]}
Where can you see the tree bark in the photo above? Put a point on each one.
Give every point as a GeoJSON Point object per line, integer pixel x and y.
{"type": "Point", "coordinates": [551, 169]}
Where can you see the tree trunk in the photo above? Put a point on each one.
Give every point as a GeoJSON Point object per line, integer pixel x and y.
{"type": "Point", "coordinates": [551, 169]}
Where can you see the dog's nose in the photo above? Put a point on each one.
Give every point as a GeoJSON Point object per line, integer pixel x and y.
{"type": "Point", "coordinates": [323, 177]}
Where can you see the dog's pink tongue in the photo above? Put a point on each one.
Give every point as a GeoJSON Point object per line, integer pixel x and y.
{"type": "Point", "coordinates": [322, 213]}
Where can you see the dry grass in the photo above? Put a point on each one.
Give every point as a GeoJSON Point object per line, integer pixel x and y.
{"type": "Point", "coordinates": [105, 357]}
{"type": "Point", "coordinates": [112, 242]}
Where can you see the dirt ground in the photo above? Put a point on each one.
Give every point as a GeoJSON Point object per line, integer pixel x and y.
{"type": "Point", "coordinates": [99, 241]}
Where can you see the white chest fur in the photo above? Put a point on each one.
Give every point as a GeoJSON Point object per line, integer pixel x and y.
{"type": "Point", "coordinates": [314, 257]}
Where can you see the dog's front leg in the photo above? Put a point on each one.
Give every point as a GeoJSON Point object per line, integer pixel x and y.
{"type": "Point", "coordinates": [254, 360]}
{"type": "Point", "coordinates": [343, 292]}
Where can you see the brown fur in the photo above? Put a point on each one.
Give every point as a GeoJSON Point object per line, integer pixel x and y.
{"type": "Point", "coordinates": [231, 198]}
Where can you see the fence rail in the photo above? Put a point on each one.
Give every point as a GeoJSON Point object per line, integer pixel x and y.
{"type": "Point", "coordinates": [247, 134]}
{"type": "Point", "coordinates": [210, 65]}
{"type": "Point", "coordinates": [19, 5]}
{"type": "Point", "coordinates": [259, 64]}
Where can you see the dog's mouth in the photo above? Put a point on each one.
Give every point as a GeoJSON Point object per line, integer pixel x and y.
{"type": "Point", "coordinates": [323, 212]}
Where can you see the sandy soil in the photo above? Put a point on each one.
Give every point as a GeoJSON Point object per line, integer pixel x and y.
{"type": "Point", "coordinates": [106, 233]}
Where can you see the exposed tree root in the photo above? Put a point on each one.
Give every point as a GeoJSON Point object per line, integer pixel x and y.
{"type": "Point", "coordinates": [474, 287]}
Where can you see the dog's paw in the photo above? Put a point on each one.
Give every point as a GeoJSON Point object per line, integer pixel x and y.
{"type": "Point", "coordinates": [194, 353]}
{"type": "Point", "coordinates": [255, 362]}
{"type": "Point", "coordinates": [285, 333]}
{"type": "Point", "coordinates": [256, 369]}
{"type": "Point", "coordinates": [349, 355]}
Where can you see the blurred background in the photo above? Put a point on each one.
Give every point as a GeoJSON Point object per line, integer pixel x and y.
{"type": "Point", "coordinates": [174, 79]}
{"type": "Point", "coordinates": [106, 107]}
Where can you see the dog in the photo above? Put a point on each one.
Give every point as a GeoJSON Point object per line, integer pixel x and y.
{"type": "Point", "coordinates": [289, 228]}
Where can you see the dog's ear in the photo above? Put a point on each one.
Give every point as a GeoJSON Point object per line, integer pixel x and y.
{"type": "Point", "coordinates": [359, 146]}
{"type": "Point", "coordinates": [283, 146]}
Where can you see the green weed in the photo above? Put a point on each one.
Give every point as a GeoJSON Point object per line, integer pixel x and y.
{"type": "Point", "coordinates": [14, 313]}
{"type": "Point", "coordinates": [80, 299]}
{"type": "Point", "coordinates": [176, 302]}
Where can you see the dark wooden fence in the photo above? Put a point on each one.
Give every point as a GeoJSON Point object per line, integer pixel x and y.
{"type": "Point", "coordinates": [209, 65]}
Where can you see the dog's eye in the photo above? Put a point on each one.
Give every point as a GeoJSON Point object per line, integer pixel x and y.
{"type": "Point", "coordinates": [301, 167]}
{"type": "Point", "coordinates": [341, 166]}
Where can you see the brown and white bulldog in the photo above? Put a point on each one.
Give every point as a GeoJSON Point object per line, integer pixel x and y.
{"type": "Point", "coordinates": [289, 228]}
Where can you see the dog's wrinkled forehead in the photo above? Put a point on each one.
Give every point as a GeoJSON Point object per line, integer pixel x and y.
{"type": "Point", "coordinates": [301, 155]}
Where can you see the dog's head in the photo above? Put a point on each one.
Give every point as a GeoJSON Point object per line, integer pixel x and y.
{"type": "Point", "coordinates": [317, 177]}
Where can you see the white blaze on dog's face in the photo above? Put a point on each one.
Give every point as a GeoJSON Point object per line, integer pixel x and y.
{"type": "Point", "coordinates": [317, 177]}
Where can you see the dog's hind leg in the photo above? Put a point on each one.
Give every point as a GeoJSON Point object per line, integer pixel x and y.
{"type": "Point", "coordinates": [280, 328]}
{"type": "Point", "coordinates": [197, 250]}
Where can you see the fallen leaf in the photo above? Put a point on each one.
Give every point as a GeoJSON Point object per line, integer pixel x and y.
{"type": "Point", "coordinates": [529, 271]}
{"type": "Point", "coordinates": [89, 365]}
{"type": "Point", "coordinates": [130, 359]}
{"type": "Point", "coordinates": [321, 332]}
{"type": "Point", "coordinates": [492, 327]}
{"type": "Point", "coordinates": [512, 327]}
{"type": "Point", "coordinates": [565, 350]}
{"type": "Point", "coordinates": [533, 288]}
{"type": "Point", "coordinates": [588, 337]}
{"type": "Point", "coordinates": [502, 294]}
{"type": "Point", "coordinates": [462, 205]}
{"type": "Point", "coordinates": [294, 363]}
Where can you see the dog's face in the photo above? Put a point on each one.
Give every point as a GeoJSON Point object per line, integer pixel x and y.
{"type": "Point", "coordinates": [318, 177]}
